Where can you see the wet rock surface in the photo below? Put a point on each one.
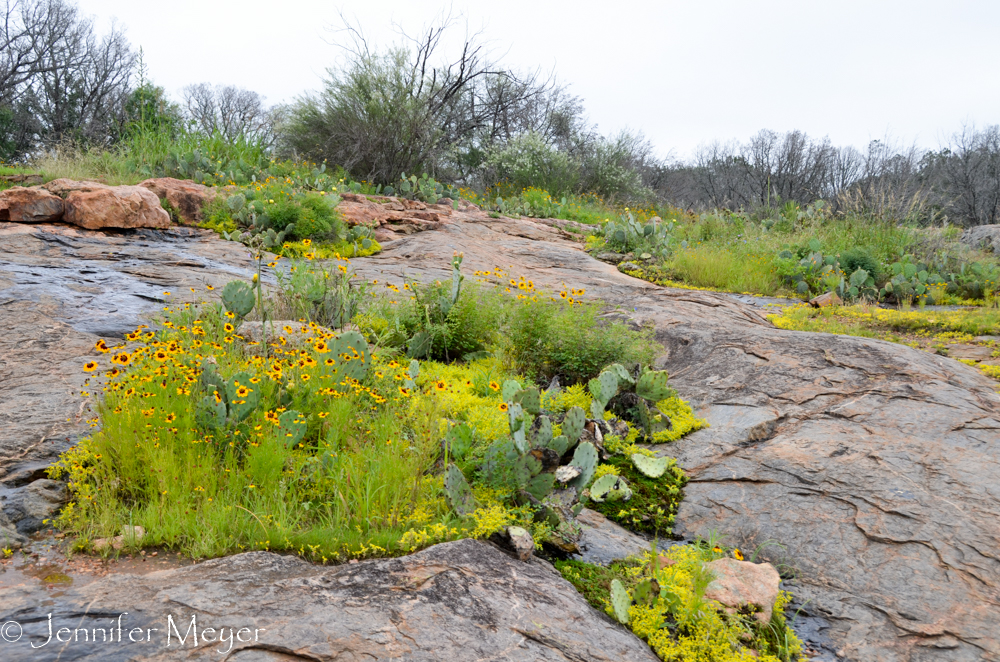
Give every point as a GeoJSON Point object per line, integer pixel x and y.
{"type": "Point", "coordinates": [464, 600]}
{"type": "Point", "coordinates": [61, 289]}
{"type": "Point", "coordinates": [872, 464]}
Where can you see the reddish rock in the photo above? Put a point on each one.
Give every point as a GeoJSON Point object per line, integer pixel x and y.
{"type": "Point", "coordinates": [740, 583]}
{"type": "Point", "coordinates": [397, 214]}
{"type": "Point", "coordinates": [63, 187]}
{"type": "Point", "coordinates": [115, 207]}
{"type": "Point", "coordinates": [828, 299]}
{"type": "Point", "coordinates": [185, 196]}
{"type": "Point", "coordinates": [29, 205]}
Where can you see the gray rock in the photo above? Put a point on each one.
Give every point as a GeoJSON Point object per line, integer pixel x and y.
{"type": "Point", "coordinates": [610, 257]}
{"type": "Point", "coordinates": [9, 537]}
{"type": "Point", "coordinates": [603, 541]}
{"type": "Point", "coordinates": [986, 237]}
{"type": "Point", "coordinates": [43, 498]}
{"type": "Point", "coordinates": [458, 601]}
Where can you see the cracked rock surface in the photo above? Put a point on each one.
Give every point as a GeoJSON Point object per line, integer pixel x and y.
{"type": "Point", "coordinates": [874, 466]}
{"type": "Point", "coordinates": [464, 600]}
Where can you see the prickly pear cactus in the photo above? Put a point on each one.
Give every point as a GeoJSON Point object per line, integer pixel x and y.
{"type": "Point", "coordinates": [347, 359]}
{"type": "Point", "coordinates": [653, 386]}
{"type": "Point", "coordinates": [584, 459]}
{"type": "Point", "coordinates": [509, 389]}
{"type": "Point", "coordinates": [242, 396]}
{"type": "Point", "coordinates": [654, 467]}
{"type": "Point", "coordinates": [238, 298]}
{"type": "Point", "coordinates": [211, 412]}
{"type": "Point", "coordinates": [620, 601]}
{"type": "Point", "coordinates": [572, 425]}
{"type": "Point", "coordinates": [458, 492]}
{"type": "Point", "coordinates": [456, 276]}
{"type": "Point", "coordinates": [291, 428]}
{"type": "Point", "coordinates": [541, 437]}
{"type": "Point", "coordinates": [530, 399]}
{"type": "Point", "coordinates": [559, 444]}
{"type": "Point", "coordinates": [540, 486]}
{"type": "Point", "coordinates": [619, 371]}
{"type": "Point", "coordinates": [420, 345]}
{"type": "Point", "coordinates": [602, 486]}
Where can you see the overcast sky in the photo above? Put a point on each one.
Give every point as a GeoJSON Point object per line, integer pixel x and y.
{"type": "Point", "coordinates": [683, 72]}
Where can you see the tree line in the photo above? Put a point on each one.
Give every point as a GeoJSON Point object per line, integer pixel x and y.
{"type": "Point", "coordinates": [465, 118]}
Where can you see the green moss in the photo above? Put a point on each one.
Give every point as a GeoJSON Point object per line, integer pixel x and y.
{"type": "Point", "coordinates": [654, 501]}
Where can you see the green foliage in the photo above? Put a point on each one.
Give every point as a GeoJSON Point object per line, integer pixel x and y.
{"type": "Point", "coordinates": [651, 239]}
{"type": "Point", "coordinates": [568, 341]}
{"type": "Point", "coordinates": [665, 605]}
{"type": "Point", "coordinates": [529, 161]}
{"type": "Point", "coordinates": [654, 501]}
{"type": "Point", "coordinates": [422, 188]}
{"type": "Point", "coordinates": [238, 298]}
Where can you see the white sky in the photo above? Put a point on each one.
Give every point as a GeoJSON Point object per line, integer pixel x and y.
{"type": "Point", "coordinates": [684, 72]}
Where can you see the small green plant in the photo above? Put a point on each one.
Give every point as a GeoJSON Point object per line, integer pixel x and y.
{"type": "Point", "coordinates": [422, 188]}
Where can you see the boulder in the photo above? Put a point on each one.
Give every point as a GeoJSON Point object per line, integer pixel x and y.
{"type": "Point", "coordinates": [985, 237]}
{"type": "Point", "coordinates": [872, 464]}
{"type": "Point", "coordinates": [741, 583]}
{"type": "Point", "coordinates": [29, 205]}
{"type": "Point", "coordinates": [184, 196]}
{"type": "Point", "coordinates": [95, 206]}
{"type": "Point", "coordinates": [463, 600]}
{"type": "Point", "coordinates": [43, 498]}
{"type": "Point", "coordinates": [823, 300]}
{"type": "Point", "coordinates": [521, 541]}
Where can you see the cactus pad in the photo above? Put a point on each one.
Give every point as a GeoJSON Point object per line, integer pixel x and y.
{"type": "Point", "coordinates": [620, 601]}
{"type": "Point", "coordinates": [457, 489]}
{"type": "Point", "coordinates": [509, 388]}
{"type": "Point", "coordinates": [530, 399]}
{"type": "Point", "coordinates": [540, 486]}
{"type": "Point", "coordinates": [559, 444]}
{"type": "Point", "coordinates": [654, 467]}
{"type": "Point", "coordinates": [291, 428]}
{"type": "Point", "coordinates": [238, 298]}
{"type": "Point", "coordinates": [542, 433]}
{"type": "Point", "coordinates": [653, 386]}
{"type": "Point", "coordinates": [584, 459]}
{"type": "Point", "coordinates": [572, 425]}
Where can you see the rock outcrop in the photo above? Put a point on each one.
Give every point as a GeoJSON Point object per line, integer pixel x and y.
{"type": "Point", "coordinates": [458, 601]}
{"type": "Point", "coordinates": [872, 464]}
{"type": "Point", "coordinates": [986, 237]}
{"type": "Point", "coordinates": [741, 583]}
{"type": "Point", "coordinates": [29, 205]}
{"type": "Point", "coordinates": [187, 198]}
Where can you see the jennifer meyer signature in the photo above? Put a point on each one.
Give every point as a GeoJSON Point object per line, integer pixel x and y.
{"type": "Point", "coordinates": [119, 632]}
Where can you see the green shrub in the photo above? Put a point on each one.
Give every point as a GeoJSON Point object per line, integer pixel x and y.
{"type": "Point", "coordinates": [859, 258]}
{"type": "Point", "coordinates": [569, 341]}
{"type": "Point", "coordinates": [312, 215]}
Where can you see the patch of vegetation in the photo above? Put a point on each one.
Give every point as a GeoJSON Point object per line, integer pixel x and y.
{"type": "Point", "coordinates": [310, 440]}
{"type": "Point", "coordinates": [662, 602]}
{"type": "Point", "coordinates": [931, 330]}
{"type": "Point", "coordinates": [654, 501]}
